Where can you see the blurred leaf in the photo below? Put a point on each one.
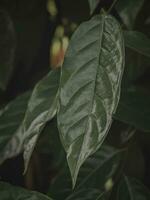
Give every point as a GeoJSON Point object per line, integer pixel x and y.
{"type": "Point", "coordinates": [128, 10]}
{"type": "Point", "coordinates": [96, 171]}
{"type": "Point", "coordinates": [131, 189]}
{"type": "Point", "coordinates": [90, 88]}
{"type": "Point", "coordinates": [41, 108]}
{"type": "Point", "coordinates": [93, 4]}
{"type": "Point", "coordinates": [9, 192]}
{"type": "Point", "coordinates": [7, 48]}
{"type": "Point", "coordinates": [134, 109]}
{"type": "Point", "coordinates": [90, 194]}
{"type": "Point", "coordinates": [49, 143]}
{"type": "Point", "coordinates": [135, 67]}
{"type": "Point", "coordinates": [11, 117]}
{"type": "Point", "coordinates": [138, 42]}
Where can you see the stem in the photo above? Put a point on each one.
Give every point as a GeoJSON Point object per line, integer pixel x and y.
{"type": "Point", "coordinates": [111, 7]}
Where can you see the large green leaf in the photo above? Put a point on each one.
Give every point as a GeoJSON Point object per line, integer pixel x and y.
{"type": "Point", "coordinates": [97, 171]}
{"type": "Point", "coordinates": [134, 109]}
{"type": "Point", "coordinates": [138, 42]}
{"type": "Point", "coordinates": [90, 194]}
{"type": "Point", "coordinates": [93, 4]}
{"type": "Point", "coordinates": [11, 138]}
{"type": "Point", "coordinates": [7, 48]}
{"type": "Point", "coordinates": [131, 189]}
{"type": "Point", "coordinates": [128, 10]}
{"type": "Point", "coordinates": [9, 192]}
{"type": "Point", "coordinates": [90, 88]}
{"type": "Point", "coordinates": [41, 108]}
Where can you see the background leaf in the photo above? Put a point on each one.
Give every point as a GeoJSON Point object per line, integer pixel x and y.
{"type": "Point", "coordinates": [95, 172]}
{"type": "Point", "coordinates": [41, 108]}
{"type": "Point", "coordinates": [10, 192]}
{"type": "Point", "coordinates": [128, 10]}
{"type": "Point", "coordinates": [133, 109]}
{"type": "Point", "coordinates": [138, 42]}
{"type": "Point", "coordinates": [11, 117]}
{"type": "Point", "coordinates": [131, 189]}
{"type": "Point", "coordinates": [93, 4]}
{"type": "Point", "coordinates": [7, 48]}
{"type": "Point", "coordinates": [90, 88]}
{"type": "Point", "coordinates": [89, 194]}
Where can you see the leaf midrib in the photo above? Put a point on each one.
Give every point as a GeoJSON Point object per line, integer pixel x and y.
{"type": "Point", "coordinates": [90, 107]}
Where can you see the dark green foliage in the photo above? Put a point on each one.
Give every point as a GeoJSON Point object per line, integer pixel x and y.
{"type": "Point", "coordinates": [83, 129]}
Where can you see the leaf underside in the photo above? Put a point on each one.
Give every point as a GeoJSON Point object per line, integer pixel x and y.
{"type": "Point", "coordinates": [90, 88]}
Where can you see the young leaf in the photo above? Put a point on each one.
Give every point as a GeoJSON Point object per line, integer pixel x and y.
{"type": "Point", "coordinates": [41, 108]}
{"type": "Point", "coordinates": [133, 109]}
{"type": "Point", "coordinates": [128, 10]}
{"type": "Point", "coordinates": [7, 48]}
{"type": "Point", "coordinates": [131, 189]}
{"type": "Point", "coordinates": [10, 192]}
{"type": "Point", "coordinates": [90, 88]}
{"type": "Point", "coordinates": [11, 117]}
{"type": "Point", "coordinates": [93, 4]}
{"type": "Point", "coordinates": [138, 42]}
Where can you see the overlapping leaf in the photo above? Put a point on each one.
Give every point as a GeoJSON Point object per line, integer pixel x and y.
{"type": "Point", "coordinates": [10, 192]}
{"type": "Point", "coordinates": [41, 108]}
{"type": "Point", "coordinates": [131, 189]}
{"type": "Point", "coordinates": [90, 88]}
{"type": "Point", "coordinates": [11, 138]}
{"type": "Point", "coordinates": [96, 171]}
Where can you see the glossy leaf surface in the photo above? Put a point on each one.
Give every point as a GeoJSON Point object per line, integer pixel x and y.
{"type": "Point", "coordinates": [41, 108]}
{"type": "Point", "coordinates": [11, 117]}
{"type": "Point", "coordinates": [128, 10]}
{"type": "Point", "coordinates": [90, 88]}
{"type": "Point", "coordinates": [133, 109]}
{"type": "Point", "coordinates": [131, 189]}
{"type": "Point", "coordinates": [9, 192]}
{"type": "Point", "coordinates": [138, 42]}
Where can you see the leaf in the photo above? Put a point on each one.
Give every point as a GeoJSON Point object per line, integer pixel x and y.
{"type": "Point", "coordinates": [90, 194]}
{"type": "Point", "coordinates": [49, 144]}
{"type": "Point", "coordinates": [10, 192]}
{"type": "Point", "coordinates": [93, 4]}
{"type": "Point", "coordinates": [41, 108]}
{"type": "Point", "coordinates": [100, 168]}
{"type": "Point", "coordinates": [90, 88]}
{"type": "Point", "coordinates": [133, 109]}
{"type": "Point", "coordinates": [97, 170]}
{"type": "Point", "coordinates": [11, 138]}
{"type": "Point", "coordinates": [128, 10]}
{"type": "Point", "coordinates": [135, 67]}
{"type": "Point", "coordinates": [131, 189]}
{"type": "Point", "coordinates": [138, 42]}
{"type": "Point", "coordinates": [7, 48]}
